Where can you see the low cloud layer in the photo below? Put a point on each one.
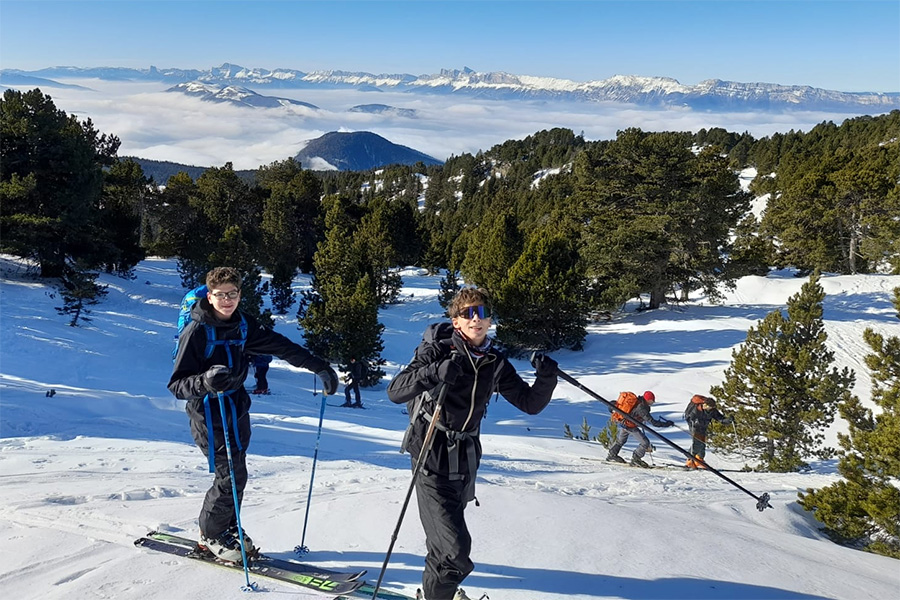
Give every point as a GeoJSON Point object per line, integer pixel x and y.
{"type": "Point", "coordinates": [154, 124]}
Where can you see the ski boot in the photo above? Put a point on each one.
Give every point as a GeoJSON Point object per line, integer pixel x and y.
{"type": "Point", "coordinates": [637, 462]}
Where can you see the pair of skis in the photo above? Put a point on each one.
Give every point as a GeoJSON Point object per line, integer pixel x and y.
{"type": "Point", "coordinates": [666, 465]}
{"type": "Point", "coordinates": [335, 584]}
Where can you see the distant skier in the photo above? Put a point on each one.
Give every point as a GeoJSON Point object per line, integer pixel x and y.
{"type": "Point", "coordinates": [355, 372]}
{"type": "Point", "coordinates": [260, 364]}
{"type": "Point", "coordinates": [638, 409]}
{"type": "Point", "coordinates": [462, 357]}
{"type": "Point", "coordinates": [219, 334]}
{"type": "Point", "coordinates": [700, 412]}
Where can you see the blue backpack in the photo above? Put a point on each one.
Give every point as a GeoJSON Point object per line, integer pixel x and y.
{"type": "Point", "coordinates": [184, 317]}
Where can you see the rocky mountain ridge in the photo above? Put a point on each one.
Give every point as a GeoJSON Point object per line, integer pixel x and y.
{"type": "Point", "coordinates": [711, 94]}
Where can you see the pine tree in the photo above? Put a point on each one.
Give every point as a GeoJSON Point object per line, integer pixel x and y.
{"type": "Point", "coordinates": [835, 194]}
{"type": "Point", "coordinates": [493, 248]}
{"type": "Point", "coordinates": [657, 216]}
{"type": "Point", "coordinates": [449, 287]}
{"type": "Point", "coordinates": [543, 296]}
{"type": "Point", "coordinates": [126, 194]}
{"type": "Point", "coordinates": [79, 290]}
{"type": "Point", "coordinates": [212, 223]}
{"type": "Point", "coordinates": [863, 508]}
{"type": "Point", "coordinates": [290, 224]}
{"type": "Point", "coordinates": [373, 240]}
{"type": "Point", "coordinates": [234, 251]}
{"type": "Point", "coordinates": [340, 313]}
{"type": "Point", "coordinates": [185, 232]}
{"type": "Point", "coordinates": [750, 251]}
{"type": "Point", "coordinates": [51, 182]}
{"type": "Point", "coordinates": [781, 387]}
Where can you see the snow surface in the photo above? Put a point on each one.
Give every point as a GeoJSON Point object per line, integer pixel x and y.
{"type": "Point", "coordinates": [110, 457]}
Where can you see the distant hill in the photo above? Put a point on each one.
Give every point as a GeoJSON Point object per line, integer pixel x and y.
{"type": "Point", "coordinates": [358, 151]}
{"type": "Point", "coordinates": [161, 170]}
{"type": "Point", "coordinates": [13, 78]}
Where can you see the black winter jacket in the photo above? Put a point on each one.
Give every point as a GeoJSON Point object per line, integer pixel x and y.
{"type": "Point", "coordinates": [467, 399]}
{"type": "Point", "coordinates": [186, 382]}
{"type": "Point", "coordinates": [355, 372]}
{"type": "Point", "coordinates": [699, 419]}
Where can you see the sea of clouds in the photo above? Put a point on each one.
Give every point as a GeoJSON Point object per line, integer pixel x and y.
{"type": "Point", "coordinates": [154, 124]}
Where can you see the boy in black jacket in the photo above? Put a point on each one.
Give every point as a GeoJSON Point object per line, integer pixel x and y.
{"type": "Point", "coordinates": [198, 376]}
{"type": "Point", "coordinates": [471, 368]}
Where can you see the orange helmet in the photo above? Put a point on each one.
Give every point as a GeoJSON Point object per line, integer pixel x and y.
{"type": "Point", "coordinates": [650, 397]}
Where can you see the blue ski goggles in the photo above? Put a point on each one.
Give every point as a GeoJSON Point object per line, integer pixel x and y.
{"type": "Point", "coordinates": [470, 312]}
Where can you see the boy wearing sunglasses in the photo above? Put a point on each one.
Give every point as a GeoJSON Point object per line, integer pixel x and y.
{"type": "Point", "coordinates": [463, 359]}
{"type": "Point", "coordinates": [214, 352]}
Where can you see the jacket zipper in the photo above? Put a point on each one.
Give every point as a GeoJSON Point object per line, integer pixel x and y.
{"type": "Point", "coordinates": [472, 397]}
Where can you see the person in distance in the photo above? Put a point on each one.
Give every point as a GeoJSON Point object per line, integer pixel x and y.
{"type": "Point", "coordinates": [700, 412]}
{"type": "Point", "coordinates": [638, 409]}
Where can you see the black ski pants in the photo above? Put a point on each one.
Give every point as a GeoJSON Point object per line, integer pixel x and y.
{"type": "Point", "coordinates": [441, 510]}
{"type": "Point", "coordinates": [353, 385]}
{"type": "Point", "coordinates": [259, 373]}
{"type": "Point", "coordinates": [218, 513]}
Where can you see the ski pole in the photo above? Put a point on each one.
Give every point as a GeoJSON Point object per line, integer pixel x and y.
{"type": "Point", "coordinates": [315, 393]}
{"type": "Point", "coordinates": [762, 501]}
{"type": "Point", "coordinates": [237, 509]}
{"type": "Point", "coordinates": [420, 462]}
{"type": "Point", "coordinates": [302, 549]}
{"type": "Point", "coordinates": [738, 440]}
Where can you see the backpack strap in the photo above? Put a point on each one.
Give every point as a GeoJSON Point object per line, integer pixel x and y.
{"type": "Point", "coordinates": [212, 342]}
{"type": "Point", "coordinates": [459, 441]}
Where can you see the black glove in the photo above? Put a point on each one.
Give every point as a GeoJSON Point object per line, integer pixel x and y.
{"type": "Point", "coordinates": [449, 370]}
{"type": "Point", "coordinates": [329, 380]}
{"type": "Point", "coordinates": [543, 365]}
{"type": "Point", "coordinates": [217, 378]}
{"type": "Point", "coordinates": [668, 423]}
{"type": "Point", "coordinates": [727, 421]}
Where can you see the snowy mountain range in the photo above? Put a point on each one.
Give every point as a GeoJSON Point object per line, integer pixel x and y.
{"type": "Point", "coordinates": [234, 94]}
{"type": "Point", "coordinates": [711, 94]}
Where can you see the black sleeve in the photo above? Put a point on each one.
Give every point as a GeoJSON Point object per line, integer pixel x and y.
{"type": "Point", "coordinates": [186, 382]}
{"type": "Point", "coordinates": [530, 399]}
{"type": "Point", "coordinates": [420, 375]}
{"type": "Point", "coordinates": [718, 416]}
{"type": "Point", "coordinates": [265, 341]}
{"type": "Point", "coordinates": [657, 423]}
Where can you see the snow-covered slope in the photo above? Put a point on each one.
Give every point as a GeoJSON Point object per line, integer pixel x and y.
{"type": "Point", "coordinates": [110, 456]}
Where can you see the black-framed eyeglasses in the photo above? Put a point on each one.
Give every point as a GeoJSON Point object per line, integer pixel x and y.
{"type": "Point", "coordinates": [232, 295]}
{"type": "Point", "coordinates": [469, 312]}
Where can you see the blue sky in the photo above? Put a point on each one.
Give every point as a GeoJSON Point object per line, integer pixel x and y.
{"type": "Point", "coordinates": [842, 45]}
